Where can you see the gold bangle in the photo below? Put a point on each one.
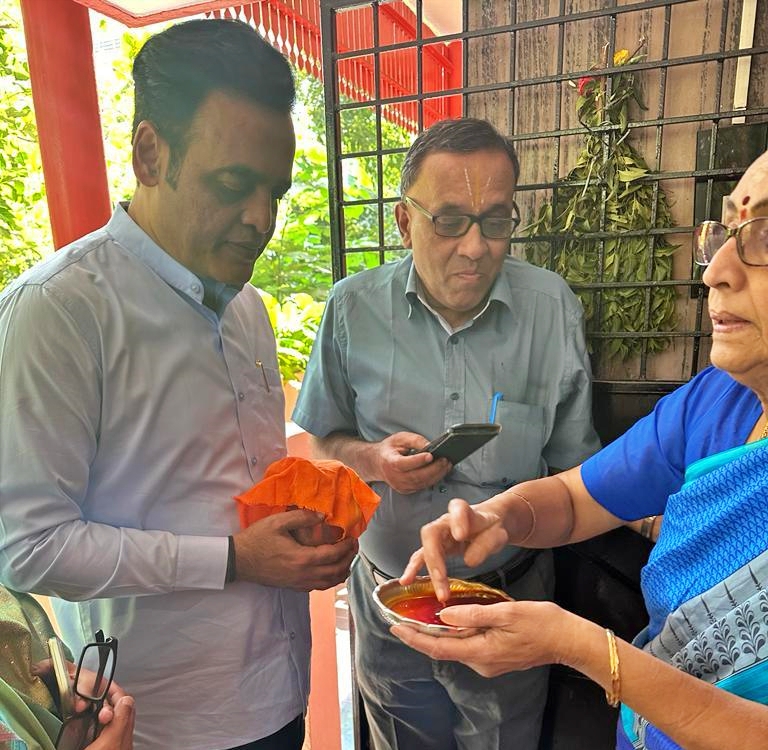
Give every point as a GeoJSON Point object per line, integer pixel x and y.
{"type": "Point", "coordinates": [646, 527]}
{"type": "Point", "coordinates": [533, 520]}
{"type": "Point", "coordinates": [614, 695]}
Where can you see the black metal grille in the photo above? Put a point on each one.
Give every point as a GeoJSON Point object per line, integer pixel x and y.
{"type": "Point", "coordinates": [514, 63]}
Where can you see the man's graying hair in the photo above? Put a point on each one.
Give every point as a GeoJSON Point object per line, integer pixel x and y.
{"type": "Point", "coordinates": [464, 136]}
{"type": "Point", "coordinates": [177, 69]}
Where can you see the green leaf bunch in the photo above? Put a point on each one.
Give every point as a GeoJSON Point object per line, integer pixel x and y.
{"type": "Point", "coordinates": [594, 229]}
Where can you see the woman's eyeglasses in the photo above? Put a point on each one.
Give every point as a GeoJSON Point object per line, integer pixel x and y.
{"type": "Point", "coordinates": [751, 241]}
{"type": "Point", "coordinates": [81, 728]}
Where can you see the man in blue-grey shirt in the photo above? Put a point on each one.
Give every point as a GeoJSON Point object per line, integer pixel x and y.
{"type": "Point", "coordinates": [456, 332]}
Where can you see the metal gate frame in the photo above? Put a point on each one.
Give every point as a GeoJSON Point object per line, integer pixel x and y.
{"type": "Point", "coordinates": [488, 26]}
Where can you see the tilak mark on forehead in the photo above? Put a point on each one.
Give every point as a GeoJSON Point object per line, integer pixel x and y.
{"type": "Point", "coordinates": [466, 179]}
{"type": "Point", "coordinates": [475, 191]}
{"type": "Point", "coordinates": [743, 209]}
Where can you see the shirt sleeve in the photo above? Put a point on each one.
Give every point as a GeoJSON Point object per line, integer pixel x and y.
{"type": "Point", "coordinates": [573, 436]}
{"type": "Point", "coordinates": [326, 401]}
{"type": "Point", "coordinates": [633, 476]}
{"type": "Point", "coordinates": [50, 397]}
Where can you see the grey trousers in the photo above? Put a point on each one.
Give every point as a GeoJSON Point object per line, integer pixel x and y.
{"type": "Point", "coordinates": [415, 703]}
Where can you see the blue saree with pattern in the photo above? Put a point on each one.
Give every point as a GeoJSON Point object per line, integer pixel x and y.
{"type": "Point", "coordinates": [705, 584]}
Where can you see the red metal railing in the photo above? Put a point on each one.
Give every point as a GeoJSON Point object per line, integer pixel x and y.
{"type": "Point", "coordinates": [293, 27]}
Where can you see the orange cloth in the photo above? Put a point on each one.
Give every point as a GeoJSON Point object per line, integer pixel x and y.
{"type": "Point", "coordinates": [329, 487]}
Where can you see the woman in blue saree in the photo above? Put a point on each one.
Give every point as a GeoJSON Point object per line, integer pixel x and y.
{"type": "Point", "coordinates": [697, 676]}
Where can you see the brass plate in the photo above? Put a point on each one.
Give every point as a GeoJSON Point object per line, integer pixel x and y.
{"type": "Point", "coordinates": [389, 593]}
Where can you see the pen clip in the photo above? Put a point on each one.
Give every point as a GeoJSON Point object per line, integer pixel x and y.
{"type": "Point", "coordinates": [260, 365]}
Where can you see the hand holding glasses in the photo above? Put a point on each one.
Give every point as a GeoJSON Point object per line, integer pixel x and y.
{"type": "Point", "coordinates": [80, 728]}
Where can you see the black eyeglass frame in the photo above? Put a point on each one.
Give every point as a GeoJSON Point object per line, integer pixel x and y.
{"type": "Point", "coordinates": [104, 647]}
{"type": "Point", "coordinates": [85, 724]}
{"type": "Point", "coordinates": [514, 221]}
{"type": "Point", "coordinates": [729, 232]}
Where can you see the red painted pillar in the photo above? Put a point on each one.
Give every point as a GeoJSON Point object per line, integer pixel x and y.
{"type": "Point", "coordinates": [324, 715]}
{"type": "Point", "coordinates": [60, 53]}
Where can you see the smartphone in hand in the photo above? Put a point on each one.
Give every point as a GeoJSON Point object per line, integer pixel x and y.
{"type": "Point", "coordinates": [65, 697]}
{"type": "Point", "coordinates": [461, 440]}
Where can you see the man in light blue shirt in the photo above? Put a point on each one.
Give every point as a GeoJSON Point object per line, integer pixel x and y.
{"type": "Point", "coordinates": [458, 331]}
{"type": "Point", "coordinates": [139, 393]}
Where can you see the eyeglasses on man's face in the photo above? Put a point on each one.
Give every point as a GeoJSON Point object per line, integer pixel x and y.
{"type": "Point", "coordinates": [751, 241]}
{"type": "Point", "coordinates": [81, 728]}
{"type": "Point", "coordinates": [457, 225]}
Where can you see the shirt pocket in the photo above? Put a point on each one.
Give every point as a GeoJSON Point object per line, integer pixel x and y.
{"type": "Point", "coordinates": [261, 412]}
{"type": "Point", "coordinates": [514, 455]}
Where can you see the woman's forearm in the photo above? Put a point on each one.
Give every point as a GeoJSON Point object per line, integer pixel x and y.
{"type": "Point", "coordinates": [695, 714]}
{"type": "Point", "coordinates": [552, 511]}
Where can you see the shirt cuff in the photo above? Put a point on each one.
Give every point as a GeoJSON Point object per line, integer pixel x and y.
{"type": "Point", "coordinates": [202, 562]}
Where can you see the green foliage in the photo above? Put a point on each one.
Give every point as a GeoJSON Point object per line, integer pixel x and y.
{"type": "Point", "coordinates": [115, 89]}
{"type": "Point", "coordinates": [298, 257]}
{"type": "Point", "coordinates": [23, 214]}
{"type": "Point", "coordinates": [295, 322]}
{"type": "Point", "coordinates": [606, 193]}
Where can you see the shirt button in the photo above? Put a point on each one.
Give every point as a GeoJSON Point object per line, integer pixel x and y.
{"type": "Point", "coordinates": [254, 460]}
{"type": "Point", "coordinates": [454, 396]}
{"type": "Point", "coordinates": [443, 488]}
{"type": "Point", "coordinates": [195, 288]}
{"type": "Point", "coordinates": [293, 635]}
{"type": "Point", "coordinates": [240, 395]}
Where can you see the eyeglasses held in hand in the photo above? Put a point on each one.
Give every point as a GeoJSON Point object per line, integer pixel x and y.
{"type": "Point", "coordinates": [751, 241]}
{"type": "Point", "coordinates": [81, 728]}
{"type": "Point", "coordinates": [457, 225]}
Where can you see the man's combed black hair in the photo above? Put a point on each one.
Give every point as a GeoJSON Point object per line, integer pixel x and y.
{"type": "Point", "coordinates": [177, 69]}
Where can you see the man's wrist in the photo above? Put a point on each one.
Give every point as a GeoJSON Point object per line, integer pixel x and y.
{"type": "Point", "coordinates": [231, 573]}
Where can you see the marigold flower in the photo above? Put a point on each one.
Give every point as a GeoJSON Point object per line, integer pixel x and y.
{"type": "Point", "coordinates": [621, 57]}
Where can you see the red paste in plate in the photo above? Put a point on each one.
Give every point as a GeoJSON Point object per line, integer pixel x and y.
{"type": "Point", "coordinates": [425, 608]}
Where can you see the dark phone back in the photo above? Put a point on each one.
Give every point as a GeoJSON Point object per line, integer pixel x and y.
{"type": "Point", "coordinates": [462, 440]}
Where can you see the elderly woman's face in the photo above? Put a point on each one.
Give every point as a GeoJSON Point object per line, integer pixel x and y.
{"type": "Point", "coordinates": [738, 297]}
